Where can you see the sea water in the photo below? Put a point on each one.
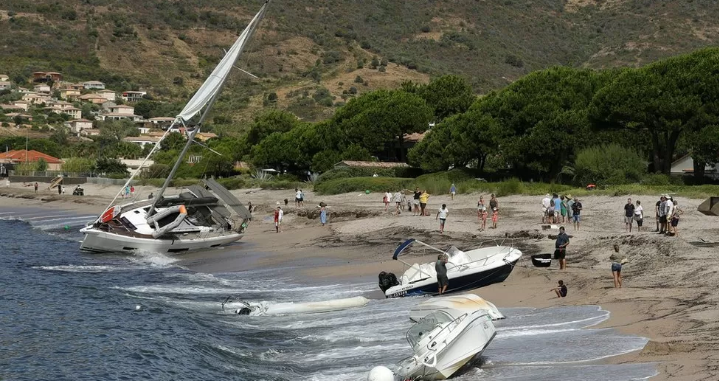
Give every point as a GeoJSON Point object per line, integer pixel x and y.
{"type": "Point", "coordinates": [67, 315]}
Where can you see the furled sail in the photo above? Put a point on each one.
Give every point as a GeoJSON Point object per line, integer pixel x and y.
{"type": "Point", "coordinates": [214, 82]}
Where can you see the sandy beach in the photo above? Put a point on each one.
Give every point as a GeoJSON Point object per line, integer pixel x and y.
{"type": "Point", "coordinates": [669, 282]}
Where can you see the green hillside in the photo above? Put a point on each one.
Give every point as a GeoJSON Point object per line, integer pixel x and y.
{"type": "Point", "coordinates": [311, 53]}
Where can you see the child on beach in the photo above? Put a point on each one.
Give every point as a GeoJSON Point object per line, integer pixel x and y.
{"type": "Point", "coordinates": [482, 212]}
{"type": "Point", "coordinates": [323, 214]}
{"type": "Point", "coordinates": [561, 290]}
{"type": "Point", "coordinates": [387, 199]}
{"type": "Point", "coordinates": [452, 190]}
{"type": "Point", "coordinates": [442, 216]}
{"type": "Point", "coordinates": [278, 219]}
{"type": "Point", "coordinates": [494, 205]}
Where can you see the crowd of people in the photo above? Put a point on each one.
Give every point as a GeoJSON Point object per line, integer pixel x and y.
{"type": "Point", "coordinates": [558, 209]}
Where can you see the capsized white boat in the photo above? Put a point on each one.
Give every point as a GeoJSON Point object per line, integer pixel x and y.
{"type": "Point", "coordinates": [460, 303]}
{"type": "Point", "coordinates": [466, 270]}
{"type": "Point", "coordinates": [443, 342]}
{"type": "Point", "coordinates": [267, 308]}
{"type": "Point", "coordinates": [200, 217]}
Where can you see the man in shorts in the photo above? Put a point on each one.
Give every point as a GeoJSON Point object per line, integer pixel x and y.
{"type": "Point", "coordinates": [560, 248]}
{"type": "Point", "coordinates": [415, 202]}
{"type": "Point", "coordinates": [442, 216]}
{"type": "Point", "coordinates": [441, 267]}
{"type": "Point", "coordinates": [628, 215]}
{"type": "Point", "coordinates": [662, 215]}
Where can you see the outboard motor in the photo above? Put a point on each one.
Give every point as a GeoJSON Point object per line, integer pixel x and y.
{"type": "Point", "coordinates": [387, 280]}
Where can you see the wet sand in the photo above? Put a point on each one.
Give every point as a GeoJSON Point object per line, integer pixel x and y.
{"type": "Point", "coordinates": [669, 284]}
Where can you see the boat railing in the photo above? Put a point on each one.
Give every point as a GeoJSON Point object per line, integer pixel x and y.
{"type": "Point", "coordinates": [483, 260]}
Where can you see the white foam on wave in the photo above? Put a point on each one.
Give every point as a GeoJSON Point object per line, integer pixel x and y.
{"type": "Point", "coordinates": [152, 259]}
{"type": "Point", "coordinates": [590, 321]}
{"type": "Point", "coordinates": [82, 268]}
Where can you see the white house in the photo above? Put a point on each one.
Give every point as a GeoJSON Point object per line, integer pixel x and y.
{"type": "Point", "coordinates": [121, 110]}
{"type": "Point", "coordinates": [141, 140]}
{"type": "Point", "coordinates": [685, 166]}
{"type": "Point", "coordinates": [78, 125]}
{"type": "Point", "coordinates": [42, 88]}
{"type": "Point", "coordinates": [5, 85]}
{"type": "Point", "coordinates": [4, 77]}
{"type": "Point", "coordinates": [93, 85]}
{"type": "Point", "coordinates": [133, 96]}
{"type": "Point", "coordinates": [118, 116]}
{"type": "Point", "coordinates": [107, 94]}
{"type": "Point", "coordinates": [133, 165]}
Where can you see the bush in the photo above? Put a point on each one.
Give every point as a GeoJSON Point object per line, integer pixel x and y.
{"type": "Point", "coordinates": [232, 182]}
{"type": "Point", "coordinates": [656, 179]}
{"type": "Point", "coordinates": [609, 164]}
{"type": "Point", "coordinates": [361, 184]}
{"type": "Point", "coordinates": [280, 184]}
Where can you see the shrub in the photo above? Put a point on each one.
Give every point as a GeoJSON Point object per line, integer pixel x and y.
{"type": "Point", "coordinates": [280, 184]}
{"type": "Point", "coordinates": [358, 79]}
{"type": "Point", "coordinates": [232, 182]}
{"type": "Point", "coordinates": [609, 164]}
{"type": "Point", "coordinates": [425, 29]}
{"type": "Point", "coordinates": [361, 184]}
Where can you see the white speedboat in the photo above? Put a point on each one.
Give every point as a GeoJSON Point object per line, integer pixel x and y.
{"type": "Point", "coordinates": [196, 219]}
{"type": "Point", "coordinates": [444, 342]}
{"type": "Point", "coordinates": [466, 271]}
{"type": "Point", "coordinates": [265, 308]}
{"type": "Point", "coordinates": [465, 303]}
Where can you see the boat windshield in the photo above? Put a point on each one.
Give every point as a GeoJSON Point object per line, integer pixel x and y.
{"type": "Point", "coordinates": [426, 325]}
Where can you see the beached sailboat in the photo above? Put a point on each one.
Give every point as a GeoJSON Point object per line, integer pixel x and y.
{"type": "Point", "coordinates": [199, 217]}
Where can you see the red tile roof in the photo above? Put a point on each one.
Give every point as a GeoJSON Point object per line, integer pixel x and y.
{"type": "Point", "coordinates": [32, 155]}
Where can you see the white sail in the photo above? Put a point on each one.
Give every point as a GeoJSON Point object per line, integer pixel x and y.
{"type": "Point", "coordinates": [214, 82]}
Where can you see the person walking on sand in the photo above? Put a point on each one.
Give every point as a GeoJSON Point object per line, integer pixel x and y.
{"type": "Point", "coordinates": [628, 215]}
{"type": "Point", "coordinates": [639, 215]}
{"type": "Point", "coordinates": [576, 213]}
{"type": "Point", "coordinates": [441, 268]}
{"type": "Point", "coordinates": [36, 187]}
{"type": "Point", "coordinates": [302, 199]}
{"type": "Point", "coordinates": [560, 290]}
{"type": "Point", "coordinates": [453, 190]}
{"type": "Point", "coordinates": [387, 199]}
{"type": "Point", "coordinates": [132, 190]}
{"type": "Point", "coordinates": [482, 213]}
{"type": "Point", "coordinates": [415, 201]}
{"type": "Point", "coordinates": [494, 206]}
{"type": "Point", "coordinates": [442, 216]}
{"type": "Point", "coordinates": [423, 199]}
{"type": "Point", "coordinates": [617, 261]}
{"type": "Point", "coordinates": [397, 198]}
{"type": "Point", "coordinates": [560, 248]}
{"type": "Point", "coordinates": [278, 219]}
{"type": "Point", "coordinates": [298, 195]}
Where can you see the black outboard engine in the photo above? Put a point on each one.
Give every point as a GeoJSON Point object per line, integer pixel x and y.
{"type": "Point", "coordinates": [387, 280]}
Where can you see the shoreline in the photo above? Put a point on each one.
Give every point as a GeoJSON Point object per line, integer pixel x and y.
{"type": "Point", "coordinates": [667, 295]}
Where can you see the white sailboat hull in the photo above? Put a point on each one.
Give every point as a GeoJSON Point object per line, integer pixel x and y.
{"type": "Point", "coordinates": [101, 241]}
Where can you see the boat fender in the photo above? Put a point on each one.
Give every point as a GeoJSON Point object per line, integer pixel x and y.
{"type": "Point", "coordinates": [380, 373]}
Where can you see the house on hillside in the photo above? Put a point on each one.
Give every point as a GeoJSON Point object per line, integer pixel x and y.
{"type": "Point", "coordinates": [685, 166]}
{"type": "Point", "coordinates": [93, 85]}
{"type": "Point", "coordinates": [133, 96]}
{"type": "Point", "coordinates": [32, 156]}
{"type": "Point", "coordinates": [46, 76]}
{"type": "Point", "coordinates": [161, 122]}
{"type": "Point", "coordinates": [69, 93]}
{"type": "Point", "coordinates": [205, 136]}
{"type": "Point", "coordinates": [79, 125]}
{"type": "Point", "coordinates": [369, 164]}
{"type": "Point", "coordinates": [118, 112]}
{"type": "Point", "coordinates": [5, 85]}
{"type": "Point", "coordinates": [35, 98]}
{"type": "Point", "coordinates": [42, 89]}
{"type": "Point", "coordinates": [107, 94]}
{"type": "Point", "coordinates": [4, 77]}
{"type": "Point", "coordinates": [134, 164]}
{"type": "Point", "coordinates": [141, 140]}
{"type": "Point", "coordinates": [13, 107]}
{"type": "Point", "coordinates": [93, 98]}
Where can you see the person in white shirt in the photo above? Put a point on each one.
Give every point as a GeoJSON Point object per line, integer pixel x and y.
{"type": "Point", "coordinates": [546, 201]}
{"type": "Point", "coordinates": [397, 198]}
{"type": "Point", "coordinates": [298, 197]}
{"type": "Point", "coordinates": [639, 215]}
{"type": "Point", "coordinates": [669, 209]}
{"type": "Point", "coordinates": [387, 199]}
{"type": "Point", "coordinates": [442, 216]}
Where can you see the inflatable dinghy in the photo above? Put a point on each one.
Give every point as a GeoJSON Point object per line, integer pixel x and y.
{"type": "Point", "coordinates": [459, 304]}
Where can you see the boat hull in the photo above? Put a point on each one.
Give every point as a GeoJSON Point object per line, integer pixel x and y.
{"type": "Point", "coordinates": [101, 241]}
{"type": "Point", "coordinates": [460, 283]}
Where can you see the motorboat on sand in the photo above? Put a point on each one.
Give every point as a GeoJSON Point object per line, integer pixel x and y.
{"type": "Point", "coordinates": [266, 308]}
{"type": "Point", "coordinates": [443, 342]}
{"type": "Point", "coordinates": [461, 303]}
{"type": "Point", "coordinates": [466, 270]}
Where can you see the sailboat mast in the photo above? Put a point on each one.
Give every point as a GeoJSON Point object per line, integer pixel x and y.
{"type": "Point", "coordinates": [208, 107]}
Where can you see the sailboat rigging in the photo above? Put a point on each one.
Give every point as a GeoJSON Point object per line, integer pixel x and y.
{"type": "Point", "coordinates": [198, 218]}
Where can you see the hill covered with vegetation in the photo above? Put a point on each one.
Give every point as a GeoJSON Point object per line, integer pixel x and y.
{"type": "Point", "coordinates": [313, 56]}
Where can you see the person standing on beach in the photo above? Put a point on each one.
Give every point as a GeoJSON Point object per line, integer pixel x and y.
{"type": "Point", "coordinates": [617, 261]}
{"type": "Point", "coordinates": [323, 213]}
{"type": "Point", "coordinates": [563, 208]}
{"type": "Point", "coordinates": [639, 215]}
{"type": "Point", "coordinates": [441, 268]}
{"type": "Point", "coordinates": [570, 212]}
{"type": "Point", "coordinates": [415, 202]}
{"type": "Point", "coordinates": [669, 213]}
{"type": "Point", "coordinates": [482, 212]}
{"type": "Point", "coordinates": [494, 206]}
{"type": "Point", "coordinates": [576, 211]}
{"type": "Point", "coordinates": [560, 248]}
{"type": "Point", "coordinates": [442, 216]}
{"type": "Point", "coordinates": [674, 222]}
{"type": "Point", "coordinates": [423, 199]}
{"type": "Point", "coordinates": [452, 190]}
{"type": "Point", "coordinates": [302, 199]}
{"type": "Point", "coordinates": [387, 199]}
{"type": "Point", "coordinates": [298, 195]}
{"type": "Point", "coordinates": [132, 190]}
{"type": "Point", "coordinates": [397, 198]}
{"type": "Point", "coordinates": [59, 188]}
{"type": "Point", "coordinates": [557, 207]}
{"type": "Point", "coordinates": [656, 213]}
{"type": "Point", "coordinates": [662, 215]}
{"type": "Point", "coordinates": [546, 202]}
{"type": "Point", "coordinates": [36, 187]}
{"type": "Point", "coordinates": [628, 215]}
{"type": "Point", "coordinates": [560, 290]}
{"type": "Point", "coordinates": [278, 219]}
